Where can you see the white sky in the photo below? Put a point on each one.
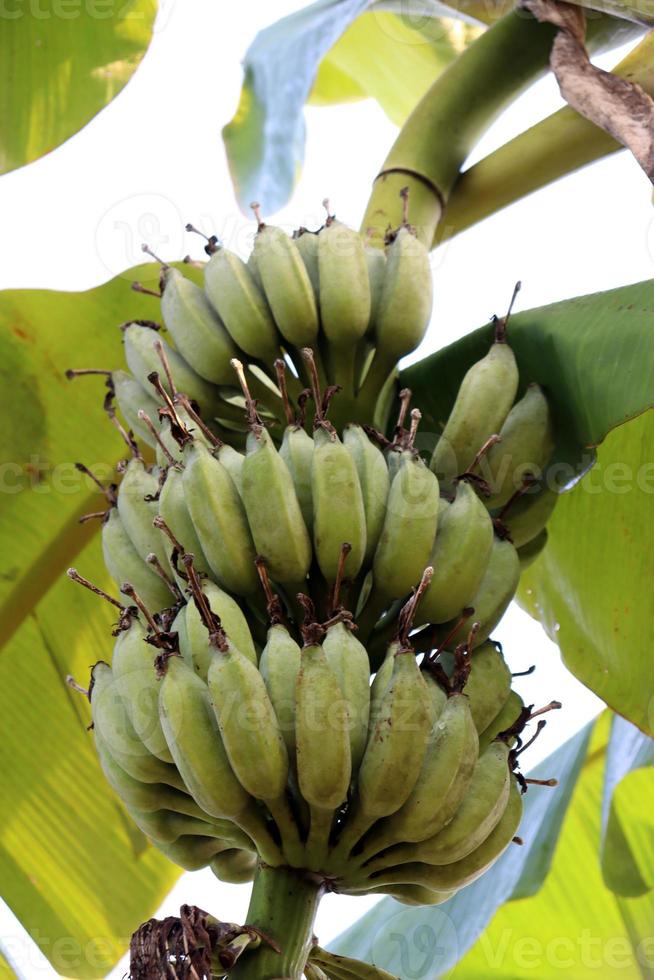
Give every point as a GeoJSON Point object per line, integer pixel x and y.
{"type": "Point", "coordinates": [153, 160]}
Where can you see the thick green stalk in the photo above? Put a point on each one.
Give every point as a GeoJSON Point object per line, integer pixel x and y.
{"type": "Point", "coordinates": [554, 147]}
{"type": "Point", "coordinates": [283, 905]}
{"type": "Point", "coordinates": [450, 119]}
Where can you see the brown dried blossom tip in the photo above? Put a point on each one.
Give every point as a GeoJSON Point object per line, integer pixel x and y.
{"type": "Point", "coordinates": [210, 619]}
{"type": "Point", "coordinates": [312, 631]}
{"type": "Point", "coordinates": [501, 323]}
{"type": "Point", "coordinates": [213, 242]}
{"type": "Point", "coordinates": [127, 613]}
{"type": "Point", "coordinates": [274, 607]}
{"type": "Point", "coordinates": [515, 731]}
{"type": "Point", "coordinates": [253, 418]}
{"type": "Point", "coordinates": [408, 611]}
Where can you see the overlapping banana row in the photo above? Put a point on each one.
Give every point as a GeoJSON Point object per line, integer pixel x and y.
{"type": "Point", "coordinates": [302, 672]}
{"type": "Point", "coordinates": [360, 308]}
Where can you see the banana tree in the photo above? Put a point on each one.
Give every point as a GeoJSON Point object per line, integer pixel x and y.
{"type": "Point", "coordinates": [257, 603]}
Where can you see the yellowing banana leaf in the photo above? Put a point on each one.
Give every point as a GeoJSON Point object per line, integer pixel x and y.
{"type": "Point", "coordinates": [591, 587]}
{"type": "Point", "coordinates": [425, 943]}
{"type": "Point", "coordinates": [6, 972]}
{"type": "Point", "coordinates": [72, 868]}
{"type": "Point", "coordinates": [391, 58]}
{"type": "Point", "coordinates": [60, 64]}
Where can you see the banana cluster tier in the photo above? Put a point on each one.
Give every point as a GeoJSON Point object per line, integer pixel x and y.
{"type": "Point", "coordinates": [302, 671]}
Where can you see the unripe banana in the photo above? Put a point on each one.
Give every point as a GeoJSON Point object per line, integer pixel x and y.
{"type": "Point", "coordinates": [194, 740]}
{"type": "Point", "coordinates": [235, 866]}
{"type": "Point", "coordinates": [526, 518]}
{"type": "Point", "coordinates": [138, 685]}
{"type": "Point", "coordinates": [287, 285]}
{"type": "Point", "coordinates": [178, 626]}
{"type": "Point", "coordinates": [374, 480]}
{"type": "Point", "coordinates": [527, 442]}
{"type": "Point", "coordinates": [234, 294]}
{"type": "Point", "coordinates": [484, 400]}
{"type": "Point", "coordinates": [414, 895]}
{"type": "Point", "coordinates": [488, 685]}
{"type": "Point", "coordinates": [376, 262]}
{"type": "Point", "coordinates": [247, 722]}
{"type": "Point", "coordinates": [409, 528]}
{"type": "Point", "coordinates": [494, 594]}
{"type": "Point", "coordinates": [220, 521]}
{"type": "Point", "coordinates": [397, 741]}
{"type": "Point", "coordinates": [480, 812]}
{"type": "Point", "coordinates": [192, 853]}
{"type": "Point", "coordinates": [132, 399]}
{"type": "Point", "coordinates": [228, 611]}
{"type": "Point", "coordinates": [338, 509]}
{"type": "Point", "coordinates": [381, 681]}
{"type": "Point", "coordinates": [174, 510]}
{"type": "Point", "coordinates": [198, 332]}
{"type": "Point", "coordinates": [307, 245]}
{"type": "Point", "coordinates": [137, 513]}
{"type": "Point", "coordinates": [273, 511]}
{"type": "Point", "coordinates": [455, 875]}
{"type": "Point", "coordinates": [460, 555]}
{"type": "Point", "coordinates": [324, 762]}
{"type": "Point", "coordinates": [344, 285]}
{"type": "Point", "coordinates": [406, 299]}
{"type": "Point", "coordinates": [506, 717]}
{"type": "Point", "coordinates": [348, 659]}
{"type": "Point", "coordinates": [442, 784]}
{"type": "Point", "coordinates": [530, 551]}
{"type": "Point", "coordinates": [146, 797]}
{"type": "Point", "coordinates": [297, 452]}
{"type": "Point", "coordinates": [279, 666]}
{"type": "Point", "coordinates": [166, 826]}
{"type": "Point", "coordinates": [124, 564]}
{"type": "Point", "coordinates": [111, 721]}
{"type": "Point", "coordinates": [143, 360]}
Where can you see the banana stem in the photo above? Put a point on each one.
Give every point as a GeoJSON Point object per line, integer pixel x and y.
{"type": "Point", "coordinates": [283, 906]}
{"type": "Point", "coordinates": [451, 118]}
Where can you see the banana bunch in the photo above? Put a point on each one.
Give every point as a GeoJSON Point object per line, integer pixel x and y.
{"type": "Point", "coordinates": [302, 672]}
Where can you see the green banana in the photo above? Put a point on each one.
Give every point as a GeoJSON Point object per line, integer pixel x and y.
{"type": "Point", "coordinates": [374, 480]}
{"type": "Point", "coordinates": [220, 520]}
{"type": "Point", "coordinates": [131, 399]}
{"type": "Point", "coordinates": [482, 404]}
{"type": "Point", "coordinates": [478, 815]}
{"type": "Point", "coordinates": [141, 352]}
{"type": "Point", "coordinates": [192, 853]}
{"type": "Point", "coordinates": [409, 528]}
{"type": "Point", "coordinates": [126, 565]}
{"type": "Point", "coordinates": [240, 304]}
{"type": "Point", "coordinates": [406, 298]}
{"type": "Point", "coordinates": [178, 627]}
{"type": "Point", "coordinates": [526, 444]}
{"type": "Point", "coordinates": [198, 332]}
{"type": "Point", "coordinates": [338, 509]}
{"type": "Point", "coordinates": [166, 826]}
{"type": "Point", "coordinates": [488, 685]}
{"type": "Point", "coordinates": [460, 555]}
{"type": "Point", "coordinates": [247, 722]}
{"type": "Point", "coordinates": [297, 452]}
{"type": "Point", "coordinates": [236, 866]}
{"type": "Point", "coordinates": [529, 552]}
{"type": "Point", "coordinates": [111, 721]}
{"type": "Point", "coordinates": [279, 666]}
{"type": "Point", "coordinates": [456, 874]}
{"type": "Point", "coordinates": [494, 594]}
{"type": "Point", "coordinates": [526, 518]}
{"type": "Point", "coordinates": [307, 245]}
{"type": "Point", "coordinates": [324, 762]}
{"type": "Point", "coordinates": [137, 683]}
{"type": "Point", "coordinates": [198, 642]}
{"type": "Point", "coordinates": [273, 510]}
{"type": "Point", "coordinates": [441, 785]}
{"type": "Point", "coordinates": [505, 718]}
{"type": "Point", "coordinates": [348, 659]}
{"type": "Point", "coordinates": [287, 285]}
{"type": "Point", "coordinates": [376, 262]}
{"type": "Point", "coordinates": [146, 797]}
{"type": "Point", "coordinates": [174, 510]}
{"type": "Point", "coordinates": [137, 513]}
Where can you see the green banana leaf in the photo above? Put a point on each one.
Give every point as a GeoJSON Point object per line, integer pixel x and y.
{"type": "Point", "coordinates": [60, 65]}
{"type": "Point", "coordinates": [73, 870]}
{"type": "Point", "coordinates": [628, 836]}
{"type": "Point", "coordinates": [357, 58]}
{"type": "Point", "coordinates": [423, 943]}
{"type": "Point", "coordinates": [590, 588]}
